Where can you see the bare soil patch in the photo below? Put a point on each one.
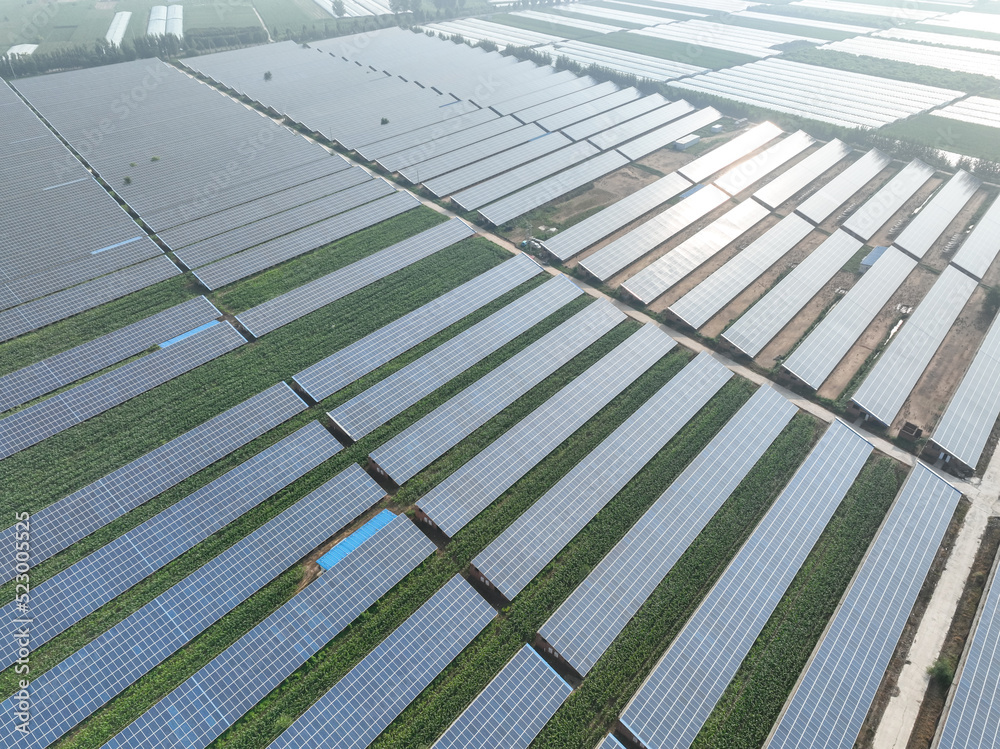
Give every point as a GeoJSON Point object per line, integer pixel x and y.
{"type": "Point", "coordinates": [935, 257]}
{"type": "Point", "coordinates": [909, 294]}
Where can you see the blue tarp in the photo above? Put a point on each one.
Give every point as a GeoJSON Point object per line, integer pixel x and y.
{"type": "Point", "coordinates": [349, 544]}
{"type": "Point", "coordinates": [691, 192]}
{"type": "Point", "coordinates": [182, 336]}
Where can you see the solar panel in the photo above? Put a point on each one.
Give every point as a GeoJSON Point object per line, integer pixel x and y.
{"type": "Point", "coordinates": [897, 371]}
{"type": "Point", "coordinates": [706, 299]}
{"type": "Point", "coordinates": [610, 742]}
{"type": "Point", "coordinates": [470, 489]}
{"type": "Point", "coordinates": [628, 248]}
{"type": "Point", "coordinates": [491, 166]}
{"type": "Point", "coordinates": [519, 203]}
{"type": "Point", "coordinates": [512, 709]}
{"type": "Point", "coordinates": [833, 696]}
{"type": "Point", "coordinates": [214, 698]}
{"type": "Point", "coordinates": [309, 297]}
{"type": "Point", "coordinates": [667, 134]}
{"type": "Point", "coordinates": [419, 139]}
{"type": "Point", "coordinates": [678, 262]}
{"type": "Point", "coordinates": [730, 152]}
{"type": "Point", "coordinates": [534, 539]}
{"type": "Point", "coordinates": [880, 207]}
{"type": "Point", "coordinates": [360, 706]}
{"type": "Point", "coordinates": [457, 157]}
{"type": "Point", "coordinates": [980, 248]}
{"type": "Point", "coordinates": [55, 307]}
{"type": "Point", "coordinates": [618, 134]}
{"type": "Point", "coordinates": [579, 237]}
{"type": "Point", "coordinates": [819, 206]}
{"type": "Point", "coordinates": [69, 366]}
{"type": "Point", "coordinates": [762, 322]}
{"type": "Point", "coordinates": [104, 667]}
{"type": "Point", "coordinates": [349, 364]}
{"type": "Point", "coordinates": [791, 182]}
{"type": "Point", "coordinates": [30, 426]}
{"type": "Point", "coordinates": [420, 444]}
{"type": "Point", "coordinates": [589, 109]}
{"type": "Point", "coordinates": [263, 256]}
{"type": "Point", "coordinates": [969, 418]}
{"type": "Point", "coordinates": [400, 390]}
{"type": "Point", "coordinates": [971, 718]}
{"type": "Point", "coordinates": [740, 177]}
{"type": "Point", "coordinates": [586, 624]}
{"type": "Point", "coordinates": [81, 513]}
{"type": "Point", "coordinates": [334, 187]}
{"type": "Point", "coordinates": [678, 696]}
{"type": "Point", "coordinates": [508, 182]}
{"type": "Point", "coordinates": [88, 584]}
{"type": "Point", "coordinates": [934, 218]}
{"type": "Point", "coordinates": [817, 356]}
{"type": "Point", "coordinates": [554, 106]}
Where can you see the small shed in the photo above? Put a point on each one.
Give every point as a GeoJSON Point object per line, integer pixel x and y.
{"type": "Point", "coordinates": [685, 142]}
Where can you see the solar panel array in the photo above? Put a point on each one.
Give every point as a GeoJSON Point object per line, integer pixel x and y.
{"type": "Point", "coordinates": [817, 356]}
{"type": "Point", "coordinates": [512, 709]}
{"type": "Point", "coordinates": [895, 374]}
{"type": "Point", "coordinates": [361, 357]}
{"type": "Point", "coordinates": [978, 110]}
{"type": "Point", "coordinates": [959, 60]}
{"type": "Point", "coordinates": [762, 322]}
{"type": "Point", "coordinates": [214, 698]}
{"type": "Point", "coordinates": [88, 584]}
{"type": "Point", "coordinates": [837, 97]}
{"type": "Point", "coordinates": [263, 256]}
{"type": "Point", "coordinates": [582, 235]}
{"type": "Point", "coordinates": [630, 63]}
{"type": "Point", "coordinates": [834, 694]}
{"type": "Point", "coordinates": [366, 700]}
{"type": "Point", "coordinates": [81, 513]}
{"type": "Point", "coordinates": [610, 742]}
{"type": "Point", "coordinates": [587, 622]}
{"type": "Point", "coordinates": [981, 247]}
{"type": "Point", "coordinates": [589, 109]}
{"type": "Point", "coordinates": [792, 181]}
{"type": "Point", "coordinates": [965, 427]}
{"type": "Point", "coordinates": [667, 134]}
{"type": "Point", "coordinates": [30, 426]}
{"type": "Point", "coordinates": [534, 539]}
{"type": "Point", "coordinates": [740, 177]}
{"type": "Point", "coordinates": [880, 207]}
{"type": "Point", "coordinates": [69, 230]}
{"type": "Point", "coordinates": [821, 204]}
{"type": "Point", "coordinates": [730, 152]}
{"type": "Point", "coordinates": [522, 176]}
{"type": "Point", "coordinates": [67, 367]}
{"type": "Point", "coordinates": [971, 717]}
{"type": "Point", "coordinates": [417, 446]}
{"type": "Point", "coordinates": [462, 167]}
{"type": "Point", "coordinates": [604, 120]}
{"type": "Point", "coordinates": [519, 203]}
{"type": "Point", "coordinates": [92, 676]}
{"type": "Point", "coordinates": [630, 247]}
{"type": "Point", "coordinates": [41, 312]}
{"type": "Point", "coordinates": [678, 696]}
{"type": "Point", "coordinates": [405, 149]}
{"type": "Point", "coordinates": [240, 237]}
{"type": "Point", "coordinates": [309, 297]}
{"type": "Point", "coordinates": [635, 127]}
{"type": "Point", "coordinates": [740, 39]}
{"type": "Point", "coordinates": [706, 299]}
{"type": "Point", "coordinates": [934, 218]}
{"type": "Point", "coordinates": [470, 489]}
{"type": "Point", "coordinates": [400, 390]}
{"type": "Point", "coordinates": [657, 277]}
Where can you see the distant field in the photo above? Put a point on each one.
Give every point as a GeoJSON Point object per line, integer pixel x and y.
{"type": "Point", "coordinates": [692, 54]}
{"type": "Point", "coordinates": [61, 25]}
{"type": "Point", "coordinates": [949, 135]}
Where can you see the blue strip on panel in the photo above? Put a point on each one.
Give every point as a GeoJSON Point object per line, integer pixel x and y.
{"type": "Point", "coordinates": [63, 184]}
{"type": "Point", "coordinates": [112, 246]}
{"type": "Point", "coordinates": [182, 336]}
{"type": "Point", "coordinates": [349, 544]}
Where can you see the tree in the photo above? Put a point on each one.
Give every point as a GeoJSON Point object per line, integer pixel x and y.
{"type": "Point", "coordinates": [338, 8]}
{"type": "Point", "coordinates": [385, 121]}
{"type": "Point", "coordinates": [267, 75]}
